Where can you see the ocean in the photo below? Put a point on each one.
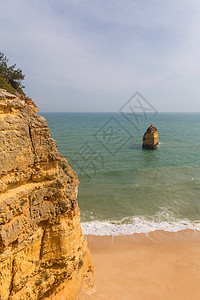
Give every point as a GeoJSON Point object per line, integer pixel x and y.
{"type": "Point", "coordinates": [123, 188]}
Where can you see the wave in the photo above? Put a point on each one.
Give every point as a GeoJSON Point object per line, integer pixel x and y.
{"type": "Point", "coordinates": [137, 225]}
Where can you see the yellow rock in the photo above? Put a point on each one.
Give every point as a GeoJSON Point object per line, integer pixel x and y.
{"type": "Point", "coordinates": [150, 138]}
{"type": "Point", "coordinates": [43, 254]}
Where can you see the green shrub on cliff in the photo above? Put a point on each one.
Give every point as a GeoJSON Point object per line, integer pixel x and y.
{"type": "Point", "coordinates": [10, 77]}
{"type": "Point", "coordinates": [4, 84]}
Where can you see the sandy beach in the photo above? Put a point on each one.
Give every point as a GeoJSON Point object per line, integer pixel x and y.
{"type": "Point", "coordinates": [158, 265]}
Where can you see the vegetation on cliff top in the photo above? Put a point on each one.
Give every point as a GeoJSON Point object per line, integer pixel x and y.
{"type": "Point", "coordinates": [10, 77]}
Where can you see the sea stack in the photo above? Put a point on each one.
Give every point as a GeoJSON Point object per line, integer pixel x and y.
{"type": "Point", "coordinates": [43, 253]}
{"type": "Point", "coordinates": [150, 138]}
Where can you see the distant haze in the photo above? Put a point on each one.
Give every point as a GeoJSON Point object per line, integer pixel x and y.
{"type": "Point", "coordinates": [93, 55]}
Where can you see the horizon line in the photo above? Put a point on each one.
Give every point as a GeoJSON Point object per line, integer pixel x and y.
{"type": "Point", "coordinates": [115, 112]}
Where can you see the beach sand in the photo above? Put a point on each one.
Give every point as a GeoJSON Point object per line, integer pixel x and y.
{"type": "Point", "coordinates": [158, 265]}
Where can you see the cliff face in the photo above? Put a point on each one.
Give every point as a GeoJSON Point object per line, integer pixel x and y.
{"type": "Point", "coordinates": [150, 138]}
{"type": "Point", "coordinates": [43, 253]}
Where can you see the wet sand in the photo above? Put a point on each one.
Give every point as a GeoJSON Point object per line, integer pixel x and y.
{"type": "Point", "coordinates": [158, 265]}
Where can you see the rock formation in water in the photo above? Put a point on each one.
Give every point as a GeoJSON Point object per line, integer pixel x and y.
{"type": "Point", "coordinates": [43, 254]}
{"type": "Point", "coordinates": [150, 138]}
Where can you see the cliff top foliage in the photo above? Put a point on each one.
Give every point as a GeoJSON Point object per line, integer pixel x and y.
{"type": "Point", "coordinates": [10, 77]}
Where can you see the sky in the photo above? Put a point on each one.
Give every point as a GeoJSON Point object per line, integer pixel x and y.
{"type": "Point", "coordinates": [93, 55]}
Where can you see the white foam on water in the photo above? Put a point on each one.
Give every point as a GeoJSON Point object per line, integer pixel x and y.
{"type": "Point", "coordinates": [137, 225]}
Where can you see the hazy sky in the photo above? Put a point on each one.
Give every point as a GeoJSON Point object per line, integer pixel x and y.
{"type": "Point", "coordinates": [92, 55]}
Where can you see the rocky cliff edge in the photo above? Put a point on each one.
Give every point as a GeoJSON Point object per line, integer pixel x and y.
{"type": "Point", "coordinates": [43, 254]}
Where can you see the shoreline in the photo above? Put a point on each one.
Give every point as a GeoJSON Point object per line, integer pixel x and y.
{"type": "Point", "coordinates": [136, 225]}
{"type": "Point", "coordinates": [97, 242]}
{"type": "Point", "coordinates": [155, 265]}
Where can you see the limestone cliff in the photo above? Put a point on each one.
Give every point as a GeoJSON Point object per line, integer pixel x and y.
{"type": "Point", "coordinates": [43, 254]}
{"type": "Point", "coordinates": [150, 138]}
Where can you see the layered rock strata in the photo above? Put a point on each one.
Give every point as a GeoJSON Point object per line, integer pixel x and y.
{"type": "Point", "coordinates": [150, 138]}
{"type": "Point", "coordinates": [43, 254]}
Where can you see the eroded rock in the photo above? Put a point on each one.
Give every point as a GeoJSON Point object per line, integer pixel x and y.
{"type": "Point", "coordinates": [42, 249]}
{"type": "Point", "coordinates": [150, 138]}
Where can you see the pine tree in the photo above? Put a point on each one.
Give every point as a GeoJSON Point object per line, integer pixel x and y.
{"type": "Point", "coordinates": [10, 77]}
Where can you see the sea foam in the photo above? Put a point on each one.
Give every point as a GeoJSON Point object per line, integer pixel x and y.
{"type": "Point", "coordinates": [138, 225]}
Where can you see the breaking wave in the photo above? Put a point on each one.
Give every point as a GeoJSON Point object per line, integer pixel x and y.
{"type": "Point", "coordinates": [136, 225]}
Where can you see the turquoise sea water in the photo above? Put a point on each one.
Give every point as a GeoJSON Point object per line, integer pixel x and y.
{"type": "Point", "coordinates": [124, 189]}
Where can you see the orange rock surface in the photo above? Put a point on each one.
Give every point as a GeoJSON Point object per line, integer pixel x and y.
{"type": "Point", "coordinates": [43, 253]}
{"type": "Point", "coordinates": [150, 138]}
